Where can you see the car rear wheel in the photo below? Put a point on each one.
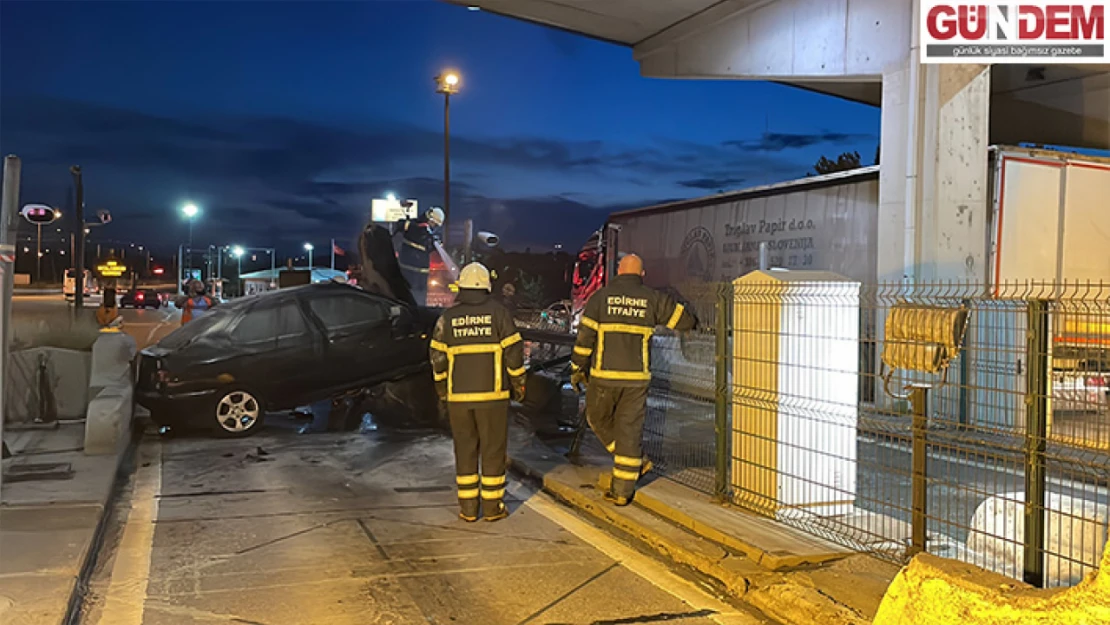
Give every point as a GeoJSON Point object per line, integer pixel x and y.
{"type": "Point", "coordinates": [238, 413]}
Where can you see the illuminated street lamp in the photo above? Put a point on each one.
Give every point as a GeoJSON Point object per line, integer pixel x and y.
{"type": "Point", "coordinates": [308, 248]}
{"type": "Point", "coordinates": [237, 252]}
{"type": "Point", "coordinates": [447, 83]}
{"type": "Point", "coordinates": [190, 211]}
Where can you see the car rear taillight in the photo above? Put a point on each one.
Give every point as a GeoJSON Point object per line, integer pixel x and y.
{"type": "Point", "coordinates": [139, 297]}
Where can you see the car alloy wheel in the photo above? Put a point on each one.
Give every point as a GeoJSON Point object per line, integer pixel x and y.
{"type": "Point", "coordinates": [238, 412]}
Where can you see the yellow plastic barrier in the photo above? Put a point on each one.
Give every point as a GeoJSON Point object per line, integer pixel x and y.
{"type": "Point", "coordinates": [937, 591]}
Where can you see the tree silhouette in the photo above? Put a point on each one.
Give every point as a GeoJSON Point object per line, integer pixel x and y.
{"type": "Point", "coordinates": [844, 162]}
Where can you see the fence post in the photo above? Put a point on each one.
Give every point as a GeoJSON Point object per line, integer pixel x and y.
{"type": "Point", "coordinates": [722, 398]}
{"type": "Point", "coordinates": [1036, 435]}
{"type": "Point", "coordinates": [919, 403]}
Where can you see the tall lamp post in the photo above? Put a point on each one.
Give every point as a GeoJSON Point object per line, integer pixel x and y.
{"type": "Point", "coordinates": [447, 83]}
{"type": "Point", "coordinates": [190, 211]}
{"type": "Point", "coordinates": [237, 252]}
{"type": "Point", "coordinates": [308, 248]}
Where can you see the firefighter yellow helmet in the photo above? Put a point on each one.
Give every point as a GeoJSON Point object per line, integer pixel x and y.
{"type": "Point", "coordinates": [475, 276]}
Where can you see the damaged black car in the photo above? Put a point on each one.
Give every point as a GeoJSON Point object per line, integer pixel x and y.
{"type": "Point", "coordinates": [275, 351]}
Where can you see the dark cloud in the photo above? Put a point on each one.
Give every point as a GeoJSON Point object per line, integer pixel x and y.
{"type": "Point", "coordinates": [779, 141]}
{"type": "Point", "coordinates": [285, 180]}
{"type": "Point", "coordinates": [711, 184]}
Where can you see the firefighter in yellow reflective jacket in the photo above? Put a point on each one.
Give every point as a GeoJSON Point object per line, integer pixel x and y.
{"type": "Point", "coordinates": [612, 353]}
{"type": "Point", "coordinates": [478, 363]}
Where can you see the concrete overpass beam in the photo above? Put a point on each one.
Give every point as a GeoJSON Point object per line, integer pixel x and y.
{"type": "Point", "coordinates": [782, 40]}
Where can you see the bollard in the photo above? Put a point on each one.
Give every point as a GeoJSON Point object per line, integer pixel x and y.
{"type": "Point", "coordinates": [723, 396]}
{"type": "Point", "coordinates": [1036, 435]}
{"type": "Point", "coordinates": [919, 402]}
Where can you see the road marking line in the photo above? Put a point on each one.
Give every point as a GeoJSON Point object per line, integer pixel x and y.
{"type": "Point", "coordinates": [126, 596]}
{"type": "Point", "coordinates": [643, 566]}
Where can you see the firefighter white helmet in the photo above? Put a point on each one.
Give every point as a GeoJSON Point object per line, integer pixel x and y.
{"type": "Point", "coordinates": [435, 216]}
{"type": "Point", "coordinates": [475, 276]}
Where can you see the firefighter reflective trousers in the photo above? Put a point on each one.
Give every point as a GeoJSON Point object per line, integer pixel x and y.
{"type": "Point", "coordinates": [616, 415]}
{"type": "Point", "coordinates": [481, 434]}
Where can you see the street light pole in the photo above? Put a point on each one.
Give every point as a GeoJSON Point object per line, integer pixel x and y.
{"type": "Point", "coordinates": [79, 253]}
{"type": "Point", "coordinates": [9, 209]}
{"type": "Point", "coordinates": [447, 84]}
{"type": "Point", "coordinates": [190, 211]}
{"type": "Point", "coordinates": [446, 161]}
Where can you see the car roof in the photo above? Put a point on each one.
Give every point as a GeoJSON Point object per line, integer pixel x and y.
{"type": "Point", "coordinates": [306, 291]}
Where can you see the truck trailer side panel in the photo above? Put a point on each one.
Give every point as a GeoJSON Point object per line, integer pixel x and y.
{"type": "Point", "coordinates": [821, 223]}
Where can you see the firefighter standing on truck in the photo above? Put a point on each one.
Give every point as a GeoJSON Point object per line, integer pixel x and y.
{"type": "Point", "coordinates": [612, 353]}
{"type": "Point", "coordinates": [418, 239]}
{"type": "Point", "coordinates": [478, 363]}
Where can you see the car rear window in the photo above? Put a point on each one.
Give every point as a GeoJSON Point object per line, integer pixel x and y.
{"type": "Point", "coordinates": [341, 312]}
{"type": "Point", "coordinates": [213, 321]}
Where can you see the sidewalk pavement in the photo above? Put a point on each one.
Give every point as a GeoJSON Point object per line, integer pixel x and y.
{"type": "Point", "coordinates": [789, 575]}
{"type": "Point", "coordinates": [54, 498]}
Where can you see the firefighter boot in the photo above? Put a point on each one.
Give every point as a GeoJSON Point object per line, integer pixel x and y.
{"type": "Point", "coordinates": [494, 510]}
{"type": "Point", "coordinates": [468, 510]}
{"type": "Point", "coordinates": [616, 499]}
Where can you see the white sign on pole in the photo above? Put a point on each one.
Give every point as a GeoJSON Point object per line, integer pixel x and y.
{"type": "Point", "coordinates": [391, 210]}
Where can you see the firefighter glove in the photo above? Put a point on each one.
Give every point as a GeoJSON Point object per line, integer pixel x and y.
{"type": "Point", "coordinates": [578, 379]}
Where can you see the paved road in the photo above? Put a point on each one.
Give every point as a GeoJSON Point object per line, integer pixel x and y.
{"type": "Point", "coordinates": [361, 529]}
{"type": "Point", "coordinates": [147, 326]}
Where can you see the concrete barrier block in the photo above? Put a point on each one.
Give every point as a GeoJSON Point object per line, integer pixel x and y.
{"type": "Point", "coordinates": [111, 389]}
{"type": "Point", "coordinates": [67, 381]}
{"type": "Point", "coordinates": [1075, 533]}
{"type": "Point", "coordinates": [112, 355]}
{"type": "Point", "coordinates": [936, 591]}
{"type": "Point", "coordinates": [108, 423]}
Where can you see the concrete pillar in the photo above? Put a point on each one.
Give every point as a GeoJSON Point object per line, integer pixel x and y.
{"type": "Point", "coordinates": [958, 213]}
{"type": "Point", "coordinates": [933, 186]}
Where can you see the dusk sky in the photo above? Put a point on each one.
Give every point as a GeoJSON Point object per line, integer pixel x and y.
{"type": "Point", "coordinates": [282, 120]}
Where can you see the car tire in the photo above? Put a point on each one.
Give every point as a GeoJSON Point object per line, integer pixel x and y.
{"type": "Point", "coordinates": [237, 412]}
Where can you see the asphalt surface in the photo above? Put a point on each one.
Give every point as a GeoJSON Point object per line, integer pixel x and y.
{"type": "Point", "coordinates": [147, 326]}
{"type": "Point", "coordinates": [350, 528]}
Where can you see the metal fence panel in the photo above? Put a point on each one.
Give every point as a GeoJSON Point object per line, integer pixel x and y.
{"type": "Point", "coordinates": [1012, 463]}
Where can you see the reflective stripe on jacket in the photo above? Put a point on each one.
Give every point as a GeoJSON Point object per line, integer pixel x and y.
{"type": "Point", "coordinates": [417, 244]}
{"type": "Point", "coordinates": [476, 350]}
{"type": "Point", "coordinates": [614, 334]}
